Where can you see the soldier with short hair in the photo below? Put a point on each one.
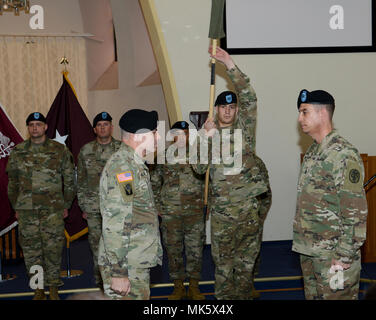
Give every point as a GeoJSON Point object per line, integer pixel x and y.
{"type": "Point", "coordinates": [91, 161]}
{"type": "Point", "coordinates": [178, 192]}
{"type": "Point", "coordinates": [130, 242]}
{"type": "Point", "coordinates": [41, 189]}
{"type": "Point", "coordinates": [331, 212]}
{"type": "Point", "coordinates": [236, 191]}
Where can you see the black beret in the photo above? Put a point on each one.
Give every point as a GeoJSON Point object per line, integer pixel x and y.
{"type": "Point", "coordinates": [315, 97]}
{"type": "Point", "coordinates": [139, 121]}
{"type": "Point", "coordinates": [183, 125]}
{"type": "Point", "coordinates": [226, 97]}
{"type": "Point", "coordinates": [103, 116]}
{"type": "Point", "coordinates": [35, 116]}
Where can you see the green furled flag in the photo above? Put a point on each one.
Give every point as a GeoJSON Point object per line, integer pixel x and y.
{"type": "Point", "coordinates": [216, 19]}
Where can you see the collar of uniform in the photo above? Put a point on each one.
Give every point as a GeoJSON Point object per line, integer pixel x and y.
{"type": "Point", "coordinates": [231, 127]}
{"type": "Point", "coordinates": [97, 144]}
{"type": "Point", "coordinates": [131, 154]}
{"type": "Point", "coordinates": [28, 143]}
{"type": "Point", "coordinates": [100, 144]}
{"type": "Point", "coordinates": [326, 141]}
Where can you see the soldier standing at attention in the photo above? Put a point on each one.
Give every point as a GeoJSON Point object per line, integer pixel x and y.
{"type": "Point", "coordinates": [236, 192]}
{"type": "Point", "coordinates": [41, 189]}
{"type": "Point", "coordinates": [331, 212]}
{"type": "Point", "coordinates": [91, 161]}
{"type": "Point", "coordinates": [130, 242]}
{"type": "Point", "coordinates": [178, 192]}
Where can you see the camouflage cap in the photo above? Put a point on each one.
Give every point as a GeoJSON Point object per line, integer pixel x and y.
{"type": "Point", "coordinates": [226, 97]}
{"type": "Point", "coordinates": [315, 97]}
{"type": "Point", "coordinates": [103, 116]}
{"type": "Point", "coordinates": [35, 116]}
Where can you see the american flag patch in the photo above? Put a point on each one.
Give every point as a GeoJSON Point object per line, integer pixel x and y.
{"type": "Point", "coordinates": [125, 176]}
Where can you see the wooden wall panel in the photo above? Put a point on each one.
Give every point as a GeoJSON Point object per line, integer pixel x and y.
{"type": "Point", "coordinates": [369, 247]}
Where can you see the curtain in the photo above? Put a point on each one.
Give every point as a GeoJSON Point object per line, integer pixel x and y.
{"type": "Point", "coordinates": [31, 74]}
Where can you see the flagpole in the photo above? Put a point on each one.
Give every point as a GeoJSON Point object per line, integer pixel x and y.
{"type": "Point", "coordinates": [211, 111]}
{"type": "Point", "coordinates": [69, 273]}
{"type": "Point", "coordinates": [8, 277]}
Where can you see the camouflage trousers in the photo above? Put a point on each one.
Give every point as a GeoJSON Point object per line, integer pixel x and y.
{"type": "Point", "coordinates": [265, 201]}
{"type": "Point", "coordinates": [183, 227]}
{"type": "Point", "coordinates": [235, 246]}
{"type": "Point", "coordinates": [256, 268]}
{"type": "Point", "coordinates": [321, 283]}
{"type": "Point", "coordinates": [41, 237]}
{"type": "Point", "coordinates": [140, 284]}
{"type": "Point", "coordinates": [94, 222]}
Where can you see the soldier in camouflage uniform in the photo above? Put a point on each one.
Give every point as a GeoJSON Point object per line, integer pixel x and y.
{"type": "Point", "coordinates": [235, 191]}
{"type": "Point", "coordinates": [91, 161]}
{"type": "Point", "coordinates": [178, 193]}
{"type": "Point", "coordinates": [331, 213]}
{"type": "Point", "coordinates": [41, 189]}
{"type": "Point", "coordinates": [130, 242]}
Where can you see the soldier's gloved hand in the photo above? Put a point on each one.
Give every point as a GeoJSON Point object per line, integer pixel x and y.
{"type": "Point", "coordinates": [65, 213]}
{"type": "Point", "coordinates": [84, 215]}
{"type": "Point", "coordinates": [16, 215]}
{"type": "Point", "coordinates": [121, 286]}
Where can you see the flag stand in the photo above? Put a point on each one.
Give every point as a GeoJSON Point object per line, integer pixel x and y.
{"type": "Point", "coordinates": [70, 273]}
{"type": "Point", "coordinates": [7, 277]}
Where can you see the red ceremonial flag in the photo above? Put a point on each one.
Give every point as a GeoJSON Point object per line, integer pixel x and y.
{"type": "Point", "coordinates": [68, 124]}
{"type": "Point", "coordinates": [9, 138]}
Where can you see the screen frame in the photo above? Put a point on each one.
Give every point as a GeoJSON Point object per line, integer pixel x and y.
{"type": "Point", "coordinates": [293, 50]}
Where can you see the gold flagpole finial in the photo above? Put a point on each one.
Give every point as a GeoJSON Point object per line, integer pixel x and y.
{"type": "Point", "coordinates": [64, 61]}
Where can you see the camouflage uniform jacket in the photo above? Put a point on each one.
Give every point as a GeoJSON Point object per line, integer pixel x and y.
{"type": "Point", "coordinates": [37, 174]}
{"type": "Point", "coordinates": [91, 161]}
{"type": "Point", "coordinates": [130, 233]}
{"type": "Point", "coordinates": [173, 184]}
{"type": "Point", "coordinates": [331, 211]}
{"type": "Point", "coordinates": [231, 185]}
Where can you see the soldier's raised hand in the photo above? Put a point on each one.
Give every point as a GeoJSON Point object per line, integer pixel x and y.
{"type": "Point", "coordinates": [222, 56]}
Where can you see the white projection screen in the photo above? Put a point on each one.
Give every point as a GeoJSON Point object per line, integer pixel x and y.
{"type": "Point", "coordinates": [299, 26]}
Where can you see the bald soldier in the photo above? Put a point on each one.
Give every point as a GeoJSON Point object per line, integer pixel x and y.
{"type": "Point", "coordinates": [237, 193]}
{"type": "Point", "coordinates": [91, 161]}
{"type": "Point", "coordinates": [41, 189]}
{"type": "Point", "coordinates": [331, 212]}
{"type": "Point", "coordinates": [130, 241]}
{"type": "Point", "coordinates": [179, 197]}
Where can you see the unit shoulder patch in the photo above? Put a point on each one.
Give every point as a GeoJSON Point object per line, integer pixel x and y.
{"type": "Point", "coordinates": [125, 182]}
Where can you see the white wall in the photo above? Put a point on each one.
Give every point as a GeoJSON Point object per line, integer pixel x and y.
{"type": "Point", "coordinates": [277, 79]}
{"type": "Point", "coordinates": [128, 20]}
{"type": "Point", "coordinates": [97, 20]}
